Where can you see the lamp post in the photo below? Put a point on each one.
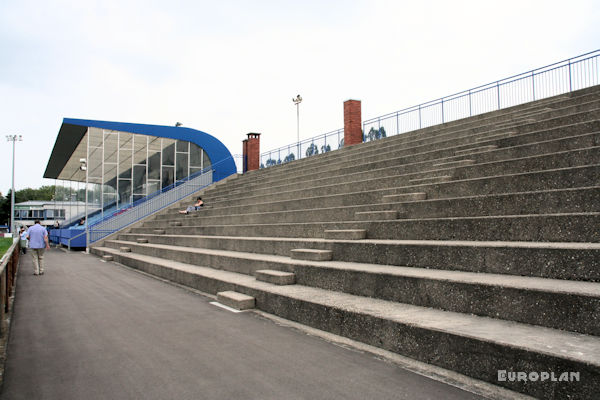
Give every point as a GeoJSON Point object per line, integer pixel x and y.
{"type": "Point", "coordinates": [83, 167]}
{"type": "Point", "coordinates": [13, 139]}
{"type": "Point", "coordinates": [297, 102]}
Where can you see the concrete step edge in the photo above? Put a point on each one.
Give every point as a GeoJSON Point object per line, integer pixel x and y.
{"type": "Point", "coordinates": [555, 343]}
{"type": "Point", "coordinates": [548, 285]}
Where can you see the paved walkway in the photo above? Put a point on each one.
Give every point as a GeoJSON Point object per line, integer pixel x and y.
{"type": "Point", "coordinates": [87, 329]}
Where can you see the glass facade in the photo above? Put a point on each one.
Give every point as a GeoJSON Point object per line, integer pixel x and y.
{"type": "Point", "coordinates": [123, 167]}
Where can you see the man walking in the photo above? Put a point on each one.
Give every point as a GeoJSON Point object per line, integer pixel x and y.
{"type": "Point", "coordinates": [38, 243]}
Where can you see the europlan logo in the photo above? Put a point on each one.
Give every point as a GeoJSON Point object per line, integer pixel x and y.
{"type": "Point", "coordinates": [535, 376]}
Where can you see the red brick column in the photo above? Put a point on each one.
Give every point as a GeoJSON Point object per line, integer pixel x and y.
{"type": "Point", "coordinates": [352, 123]}
{"type": "Point", "coordinates": [251, 148]}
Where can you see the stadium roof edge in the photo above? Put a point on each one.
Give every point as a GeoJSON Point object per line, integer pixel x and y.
{"type": "Point", "coordinates": [72, 131]}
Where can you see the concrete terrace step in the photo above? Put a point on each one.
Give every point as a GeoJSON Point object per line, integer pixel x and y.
{"type": "Point", "coordinates": [413, 331]}
{"type": "Point", "coordinates": [442, 151]}
{"type": "Point", "coordinates": [567, 227]}
{"type": "Point", "coordinates": [571, 158]}
{"type": "Point", "coordinates": [499, 296]}
{"type": "Point", "coordinates": [577, 261]}
{"type": "Point", "coordinates": [522, 151]}
{"type": "Point", "coordinates": [377, 179]}
{"type": "Point", "coordinates": [555, 201]}
{"type": "Point", "coordinates": [535, 181]}
{"type": "Point", "coordinates": [576, 127]}
{"type": "Point", "coordinates": [475, 150]}
{"type": "Point", "coordinates": [365, 149]}
{"type": "Point", "coordinates": [346, 234]}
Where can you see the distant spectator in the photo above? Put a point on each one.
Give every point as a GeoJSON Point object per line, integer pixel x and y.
{"type": "Point", "coordinates": [38, 243]}
{"type": "Point", "coordinates": [197, 205]}
{"type": "Point", "coordinates": [82, 221]}
{"type": "Point", "coordinates": [56, 225]}
{"type": "Point", "coordinates": [23, 235]}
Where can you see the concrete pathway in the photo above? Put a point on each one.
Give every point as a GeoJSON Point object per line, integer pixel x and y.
{"type": "Point", "coordinates": [87, 329]}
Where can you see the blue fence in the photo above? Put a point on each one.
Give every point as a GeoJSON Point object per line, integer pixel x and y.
{"type": "Point", "coordinates": [552, 80]}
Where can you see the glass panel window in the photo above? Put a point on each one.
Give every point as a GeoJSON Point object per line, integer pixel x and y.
{"type": "Point", "coordinates": [154, 143]}
{"type": "Point", "coordinates": [125, 164]}
{"type": "Point", "coordinates": [194, 170]}
{"type": "Point", "coordinates": [167, 176]}
{"type": "Point", "coordinates": [195, 155]}
{"type": "Point", "coordinates": [95, 163]}
{"type": "Point", "coordinates": [154, 166]}
{"type": "Point", "coordinates": [140, 148]}
{"type": "Point", "coordinates": [95, 137]}
{"type": "Point", "coordinates": [139, 179]}
{"type": "Point", "coordinates": [153, 186]}
{"type": "Point", "coordinates": [182, 146]}
{"type": "Point", "coordinates": [111, 143]}
{"type": "Point", "coordinates": [182, 166]}
{"type": "Point", "coordinates": [125, 140]}
{"type": "Point", "coordinates": [205, 160]}
{"type": "Point", "coordinates": [168, 155]}
{"type": "Point", "coordinates": [109, 200]}
{"type": "Point", "coordinates": [124, 192]}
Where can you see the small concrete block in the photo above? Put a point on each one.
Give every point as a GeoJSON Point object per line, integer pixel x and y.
{"type": "Point", "coordinates": [176, 223]}
{"type": "Point", "coordinates": [159, 231]}
{"type": "Point", "coordinates": [312, 254]}
{"type": "Point", "coordinates": [107, 257]}
{"type": "Point", "coordinates": [125, 249]}
{"type": "Point", "coordinates": [236, 300]}
{"type": "Point", "coordinates": [393, 198]}
{"type": "Point", "coordinates": [376, 215]}
{"type": "Point", "coordinates": [431, 179]}
{"type": "Point", "coordinates": [142, 240]}
{"type": "Point", "coordinates": [346, 234]}
{"type": "Point", "coordinates": [276, 277]}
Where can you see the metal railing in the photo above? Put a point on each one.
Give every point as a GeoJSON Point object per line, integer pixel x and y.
{"type": "Point", "coordinates": [552, 80]}
{"type": "Point", "coordinates": [309, 147]}
{"type": "Point", "coordinates": [148, 205]}
{"type": "Point", "coordinates": [8, 271]}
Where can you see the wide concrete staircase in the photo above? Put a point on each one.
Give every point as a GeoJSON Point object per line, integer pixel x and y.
{"type": "Point", "coordinates": [473, 245]}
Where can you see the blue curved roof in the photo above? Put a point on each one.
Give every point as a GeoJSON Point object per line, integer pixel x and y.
{"type": "Point", "coordinates": [73, 130]}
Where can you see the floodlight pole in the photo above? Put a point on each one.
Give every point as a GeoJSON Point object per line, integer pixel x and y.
{"type": "Point", "coordinates": [13, 139]}
{"type": "Point", "coordinates": [297, 102]}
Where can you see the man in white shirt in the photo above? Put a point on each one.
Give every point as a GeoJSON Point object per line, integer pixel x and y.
{"type": "Point", "coordinates": [38, 243]}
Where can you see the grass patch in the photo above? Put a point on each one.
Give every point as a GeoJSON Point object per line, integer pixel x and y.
{"type": "Point", "coordinates": [5, 244]}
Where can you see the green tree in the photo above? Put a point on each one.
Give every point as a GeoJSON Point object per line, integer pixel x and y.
{"type": "Point", "coordinates": [42, 193]}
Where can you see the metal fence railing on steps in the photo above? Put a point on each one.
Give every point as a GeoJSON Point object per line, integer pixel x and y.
{"type": "Point", "coordinates": [555, 79]}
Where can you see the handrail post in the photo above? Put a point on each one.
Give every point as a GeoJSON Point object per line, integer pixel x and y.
{"type": "Point", "coordinates": [498, 90]}
{"type": "Point", "coordinates": [533, 84]}
{"type": "Point", "coordinates": [570, 84]}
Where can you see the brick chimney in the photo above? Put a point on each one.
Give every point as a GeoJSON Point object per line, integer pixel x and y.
{"type": "Point", "coordinates": [251, 152]}
{"type": "Point", "coordinates": [352, 123]}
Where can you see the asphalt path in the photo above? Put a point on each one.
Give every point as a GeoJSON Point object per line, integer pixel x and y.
{"type": "Point", "coordinates": [89, 329]}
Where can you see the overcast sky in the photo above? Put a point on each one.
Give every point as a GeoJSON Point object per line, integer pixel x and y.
{"type": "Point", "coordinates": [232, 67]}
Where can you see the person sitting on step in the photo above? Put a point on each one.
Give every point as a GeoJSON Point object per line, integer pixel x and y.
{"type": "Point", "coordinates": [197, 205]}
